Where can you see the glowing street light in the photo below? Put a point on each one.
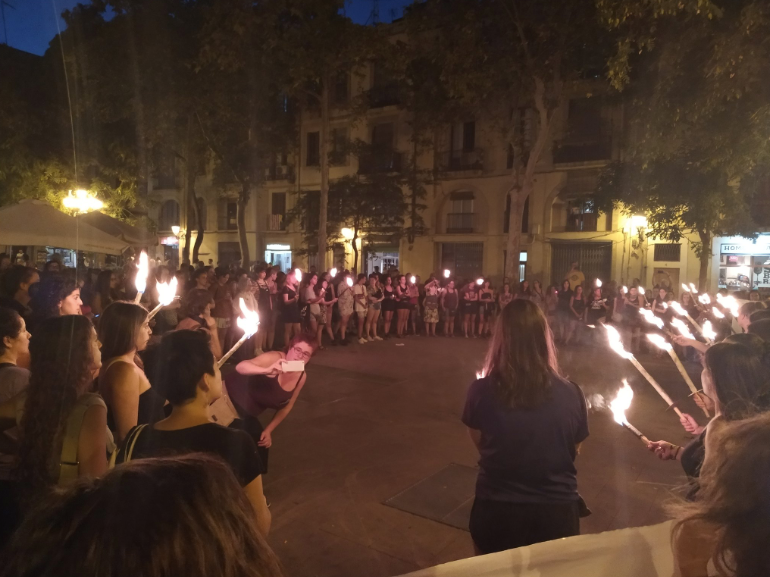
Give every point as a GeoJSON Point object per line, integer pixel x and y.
{"type": "Point", "coordinates": [347, 233]}
{"type": "Point", "coordinates": [82, 201]}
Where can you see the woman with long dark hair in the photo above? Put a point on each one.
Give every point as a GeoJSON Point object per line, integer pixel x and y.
{"type": "Point", "coordinates": [290, 307]}
{"type": "Point", "coordinates": [196, 306]}
{"type": "Point", "coordinates": [125, 331]}
{"type": "Point", "coordinates": [402, 307]}
{"type": "Point", "coordinates": [388, 304]}
{"type": "Point", "coordinates": [470, 307]}
{"type": "Point", "coordinates": [56, 295]}
{"type": "Point", "coordinates": [63, 429]}
{"type": "Point", "coordinates": [487, 308]}
{"type": "Point", "coordinates": [326, 292]}
{"type": "Point", "coordinates": [181, 515]}
{"type": "Point", "coordinates": [527, 423]}
{"type": "Point", "coordinates": [450, 301]}
{"type": "Point", "coordinates": [14, 347]}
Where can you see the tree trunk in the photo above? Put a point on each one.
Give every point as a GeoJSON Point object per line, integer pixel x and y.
{"type": "Point", "coordinates": [199, 207]}
{"type": "Point", "coordinates": [413, 185]}
{"type": "Point", "coordinates": [243, 200]}
{"type": "Point", "coordinates": [324, 195]}
{"type": "Point", "coordinates": [705, 257]}
{"type": "Point", "coordinates": [353, 243]}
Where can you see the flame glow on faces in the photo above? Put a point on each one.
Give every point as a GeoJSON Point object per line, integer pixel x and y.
{"type": "Point", "coordinates": [141, 273]}
{"type": "Point", "coordinates": [446, 273]}
{"type": "Point", "coordinates": [717, 313]}
{"type": "Point", "coordinates": [682, 327]}
{"type": "Point", "coordinates": [167, 292]}
{"type": "Point", "coordinates": [621, 403]}
{"type": "Point", "coordinates": [333, 272]}
{"type": "Point", "coordinates": [249, 323]}
{"type": "Point", "coordinates": [659, 341]}
{"type": "Point", "coordinates": [298, 274]}
{"type": "Point", "coordinates": [708, 331]}
{"type": "Point", "coordinates": [613, 339]}
{"type": "Point", "coordinates": [651, 318]}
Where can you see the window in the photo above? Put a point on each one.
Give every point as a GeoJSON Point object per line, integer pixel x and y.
{"type": "Point", "coordinates": [277, 211]}
{"type": "Point", "coordinates": [524, 215]}
{"type": "Point", "coordinates": [340, 89]}
{"type": "Point", "coordinates": [588, 135]}
{"type": "Point", "coordinates": [312, 203]}
{"type": "Point", "coordinates": [522, 265]}
{"type": "Point", "coordinates": [227, 214]}
{"type": "Point", "coordinates": [581, 215]}
{"type": "Point", "coordinates": [313, 149]}
{"type": "Point", "coordinates": [169, 215]}
{"type": "Point", "coordinates": [460, 216]}
{"type": "Point", "coordinates": [382, 136]}
{"type": "Point", "coordinates": [384, 90]}
{"type": "Point", "coordinates": [463, 154]}
{"type": "Point", "coordinates": [464, 136]}
{"type": "Point", "coordinates": [228, 253]}
{"type": "Point", "coordinates": [465, 259]}
{"type": "Point", "coordinates": [339, 147]}
{"type": "Point", "coordinates": [668, 252]}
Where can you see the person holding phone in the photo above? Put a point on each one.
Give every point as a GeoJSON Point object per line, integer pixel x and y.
{"type": "Point", "coordinates": [269, 382]}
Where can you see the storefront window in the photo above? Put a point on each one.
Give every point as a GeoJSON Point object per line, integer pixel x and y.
{"type": "Point", "coordinates": [745, 264]}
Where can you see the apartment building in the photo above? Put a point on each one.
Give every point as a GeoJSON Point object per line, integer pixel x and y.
{"type": "Point", "coordinates": [467, 207]}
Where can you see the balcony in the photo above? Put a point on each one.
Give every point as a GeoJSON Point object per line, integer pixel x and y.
{"type": "Point", "coordinates": [276, 222]}
{"type": "Point", "coordinates": [459, 160]}
{"type": "Point", "coordinates": [283, 172]}
{"type": "Point", "coordinates": [585, 222]}
{"type": "Point", "coordinates": [460, 222]}
{"type": "Point", "coordinates": [584, 147]}
{"type": "Point", "coordinates": [381, 162]}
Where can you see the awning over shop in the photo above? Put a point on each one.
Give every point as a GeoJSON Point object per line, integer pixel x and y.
{"type": "Point", "coordinates": [37, 223]}
{"type": "Point", "coordinates": [131, 235]}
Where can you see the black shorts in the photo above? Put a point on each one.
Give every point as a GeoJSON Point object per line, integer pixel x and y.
{"type": "Point", "coordinates": [388, 305]}
{"type": "Point", "coordinates": [499, 525]}
{"type": "Point", "coordinates": [402, 306]}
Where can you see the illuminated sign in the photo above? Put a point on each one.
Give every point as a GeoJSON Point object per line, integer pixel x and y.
{"type": "Point", "coordinates": [761, 247]}
{"type": "Point", "coordinates": [279, 247]}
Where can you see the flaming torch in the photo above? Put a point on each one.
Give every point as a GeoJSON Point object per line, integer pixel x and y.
{"type": "Point", "coordinates": [333, 272]}
{"type": "Point", "coordinates": [613, 338]}
{"type": "Point", "coordinates": [704, 299]}
{"type": "Point", "coordinates": [685, 288]}
{"type": "Point", "coordinates": [679, 309]}
{"type": "Point", "coordinates": [693, 289]}
{"type": "Point", "coordinates": [729, 303]}
{"type": "Point", "coordinates": [349, 281]}
{"type": "Point", "coordinates": [620, 404]}
{"type": "Point", "coordinates": [446, 273]}
{"type": "Point", "coordinates": [249, 323]}
{"type": "Point", "coordinates": [708, 332]}
{"type": "Point", "coordinates": [166, 295]}
{"type": "Point", "coordinates": [598, 283]}
{"type": "Point", "coordinates": [650, 317]}
{"type": "Point", "coordinates": [298, 275]}
{"type": "Point", "coordinates": [661, 343]}
{"type": "Point", "coordinates": [479, 281]}
{"type": "Point", "coordinates": [140, 282]}
{"type": "Point", "coordinates": [683, 329]}
{"type": "Point", "coordinates": [717, 313]}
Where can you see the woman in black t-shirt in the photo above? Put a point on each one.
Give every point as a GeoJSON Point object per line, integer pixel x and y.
{"type": "Point", "coordinates": [182, 367]}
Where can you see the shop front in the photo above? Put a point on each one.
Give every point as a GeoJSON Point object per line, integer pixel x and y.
{"type": "Point", "coordinates": [279, 255]}
{"type": "Point", "coordinates": [744, 264]}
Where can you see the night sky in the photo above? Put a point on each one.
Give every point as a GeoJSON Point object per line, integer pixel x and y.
{"type": "Point", "coordinates": [32, 24]}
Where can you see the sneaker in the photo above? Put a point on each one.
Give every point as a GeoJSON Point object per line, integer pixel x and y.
{"type": "Point", "coordinates": [370, 339]}
{"type": "Point", "coordinates": [377, 339]}
{"type": "Point", "coordinates": [362, 341]}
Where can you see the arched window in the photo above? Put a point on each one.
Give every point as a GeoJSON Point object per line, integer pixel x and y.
{"type": "Point", "coordinates": [169, 215]}
{"type": "Point", "coordinates": [461, 213]}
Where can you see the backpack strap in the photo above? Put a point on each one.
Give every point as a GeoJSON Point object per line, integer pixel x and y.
{"type": "Point", "coordinates": [68, 460]}
{"type": "Point", "coordinates": [131, 442]}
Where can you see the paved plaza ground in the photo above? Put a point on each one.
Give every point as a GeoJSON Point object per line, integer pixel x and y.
{"type": "Point", "coordinates": [376, 433]}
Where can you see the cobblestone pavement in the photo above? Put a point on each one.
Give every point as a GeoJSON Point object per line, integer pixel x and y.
{"type": "Point", "coordinates": [376, 419]}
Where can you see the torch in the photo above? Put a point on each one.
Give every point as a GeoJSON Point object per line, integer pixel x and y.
{"type": "Point", "coordinates": [708, 332]}
{"type": "Point", "coordinates": [704, 299]}
{"type": "Point", "coordinates": [680, 311]}
{"type": "Point", "coordinates": [620, 404]}
{"type": "Point", "coordinates": [349, 281]}
{"type": "Point", "coordinates": [598, 283]}
{"type": "Point", "coordinates": [446, 273]}
{"type": "Point", "coordinates": [333, 272]}
{"type": "Point", "coordinates": [693, 289]}
{"type": "Point", "coordinates": [479, 281]}
{"type": "Point", "coordinates": [613, 338]}
{"type": "Point", "coordinates": [412, 279]}
{"type": "Point", "coordinates": [685, 288]}
{"type": "Point", "coordinates": [661, 343]}
{"type": "Point", "coordinates": [249, 323]}
{"type": "Point", "coordinates": [166, 295]}
{"type": "Point", "coordinates": [298, 275]}
{"type": "Point", "coordinates": [140, 282]}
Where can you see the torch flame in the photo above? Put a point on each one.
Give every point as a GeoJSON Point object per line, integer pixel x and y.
{"type": "Point", "coordinates": [333, 272]}
{"type": "Point", "coordinates": [167, 292]}
{"type": "Point", "coordinates": [651, 318]}
{"type": "Point", "coordinates": [625, 289]}
{"type": "Point", "coordinates": [704, 299]}
{"type": "Point", "coordinates": [717, 313]}
{"type": "Point", "coordinates": [641, 290]}
{"type": "Point", "coordinates": [694, 290]}
{"type": "Point", "coordinates": [481, 374]}
{"type": "Point", "coordinates": [298, 274]}
{"type": "Point", "coordinates": [685, 288]}
{"type": "Point", "coordinates": [598, 283]}
{"type": "Point", "coordinates": [446, 273]}
{"type": "Point", "coordinates": [659, 341]}
{"type": "Point", "coordinates": [621, 403]}
{"type": "Point", "coordinates": [349, 281]}
{"type": "Point", "coordinates": [708, 331]}
{"type": "Point", "coordinates": [412, 279]}
{"type": "Point", "coordinates": [249, 323]}
{"type": "Point", "coordinates": [479, 281]}
{"type": "Point", "coordinates": [613, 339]}
{"type": "Point", "coordinates": [729, 302]}
{"type": "Point", "coordinates": [141, 273]}
{"type": "Point", "coordinates": [678, 308]}
{"type": "Point", "coordinates": [682, 327]}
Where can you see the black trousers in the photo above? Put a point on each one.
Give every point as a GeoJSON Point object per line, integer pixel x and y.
{"type": "Point", "coordinates": [254, 428]}
{"type": "Point", "coordinates": [499, 525]}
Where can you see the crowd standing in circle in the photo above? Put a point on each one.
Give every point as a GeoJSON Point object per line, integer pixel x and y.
{"type": "Point", "coordinates": [89, 383]}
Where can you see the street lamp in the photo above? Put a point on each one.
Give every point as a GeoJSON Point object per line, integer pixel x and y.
{"type": "Point", "coordinates": [82, 201]}
{"type": "Point", "coordinates": [347, 233]}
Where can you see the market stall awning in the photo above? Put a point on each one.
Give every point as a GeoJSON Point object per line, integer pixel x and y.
{"type": "Point", "coordinates": [37, 223]}
{"type": "Point", "coordinates": [131, 235]}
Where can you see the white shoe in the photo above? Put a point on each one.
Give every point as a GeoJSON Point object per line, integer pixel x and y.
{"type": "Point", "coordinates": [377, 339]}
{"type": "Point", "coordinates": [362, 341]}
{"type": "Point", "coordinates": [370, 339]}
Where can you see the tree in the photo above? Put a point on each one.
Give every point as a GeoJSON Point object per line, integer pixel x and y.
{"type": "Point", "coordinates": [319, 44]}
{"type": "Point", "coordinates": [511, 60]}
{"type": "Point", "coordinates": [693, 75]}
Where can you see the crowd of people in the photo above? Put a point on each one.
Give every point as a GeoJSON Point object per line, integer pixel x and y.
{"type": "Point", "coordinates": [99, 402]}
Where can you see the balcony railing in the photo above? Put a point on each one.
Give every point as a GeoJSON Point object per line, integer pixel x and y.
{"type": "Point", "coordinates": [457, 160]}
{"type": "Point", "coordinates": [460, 222]}
{"type": "Point", "coordinates": [585, 222]}
{"type": "Point", "coordinates": [284, 172]}
{"type": "Point", "coordinates": [276, 222]}
{"type": "Point", "coordinates": [389, 161]}
{"type": "Point", "coordinates": [584, 147]}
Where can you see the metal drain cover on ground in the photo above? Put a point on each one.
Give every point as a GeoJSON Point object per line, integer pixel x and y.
{"type": "Point", "coordinates": [445, 496]}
